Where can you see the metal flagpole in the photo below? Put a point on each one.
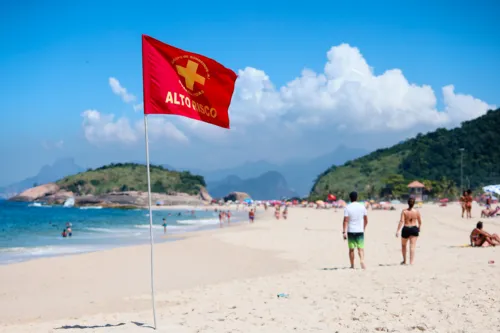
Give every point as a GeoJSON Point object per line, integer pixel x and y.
{"type": "Point", "coordinates": [150, 220]}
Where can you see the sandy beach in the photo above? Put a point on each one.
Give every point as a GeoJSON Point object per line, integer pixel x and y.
{"type": "Point", "coordinates": [227, 281]}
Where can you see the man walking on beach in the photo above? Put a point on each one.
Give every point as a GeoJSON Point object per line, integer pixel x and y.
{"type": "Point", "coordinates": [355, 221]}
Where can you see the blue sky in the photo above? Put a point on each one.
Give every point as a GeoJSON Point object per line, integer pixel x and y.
{"type": "Point", "coordinates": [57, 57]}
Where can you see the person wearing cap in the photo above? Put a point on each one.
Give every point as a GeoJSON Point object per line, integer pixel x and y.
{"type": "Point", "coordinates": [355, 221]}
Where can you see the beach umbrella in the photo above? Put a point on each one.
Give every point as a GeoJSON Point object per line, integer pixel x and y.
{"type": "Point", "coordinates": [492, 189]}
{"type": "Point", "coordinates": [444, 200]}
{"type": "Point", "coordinates": [320, 202]}
{"type": "Point", "coordinates": [395, 202]}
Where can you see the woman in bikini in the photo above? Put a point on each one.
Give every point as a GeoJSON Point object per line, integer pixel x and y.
{"type": "Point", "coordinates": [468, 204]}
{"type": "Point", "coordinates": [277, 211]}
{"type": "Point", "coordinates": [479, 238]}
{"type": "Point", "coordinates": [462, 202]}
{"type": "Point", "coordinates": [412, 222]}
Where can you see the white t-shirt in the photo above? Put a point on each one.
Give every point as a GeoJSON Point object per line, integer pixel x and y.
{"type": "Point", "coordinates": [356, 213]}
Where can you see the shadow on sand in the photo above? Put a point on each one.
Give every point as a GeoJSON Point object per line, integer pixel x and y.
{"type": "Point", "coordinates": [141, 324]}
{"type": "Point", "coordinates": [82, 327]}
{"type": "Point", "coordinates": [390, 265]}
{"type": "Point", "coordinates": [349, 268]}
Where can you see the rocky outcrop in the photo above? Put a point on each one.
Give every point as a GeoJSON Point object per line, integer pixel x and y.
{"type": "Point", "coordinates": [204, 195]}
{"type": "Point", "coordinates": [52, 195]}
{"type": "Point", "coordinates": [236, 196]}
{"type": "Point", "coordinates": [136, 198]}
{"type": "Point", "coordinates": [58, 198]}
{"type": "Point", "coordinates": [37, 193]}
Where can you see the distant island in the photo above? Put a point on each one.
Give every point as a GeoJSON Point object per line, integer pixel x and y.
{"type": "Point", "coordinates": [121, 185]}
{"type": "Point", "coordinates": [434, 159]}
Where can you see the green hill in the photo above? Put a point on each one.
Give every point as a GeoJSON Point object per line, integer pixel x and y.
{"type": "Point", "coordinates": [433, 158]}
{"type": "Point", "coordinates": [131, 177]}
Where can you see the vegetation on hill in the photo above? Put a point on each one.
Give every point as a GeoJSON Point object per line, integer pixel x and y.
{"type": "Point", "coordinates": [434, 159]}
{"type": "Point", "coordinates": [131, 177]}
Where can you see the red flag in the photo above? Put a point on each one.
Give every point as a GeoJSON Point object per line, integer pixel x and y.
{"type": "Point", "coordinates": [185, 83]}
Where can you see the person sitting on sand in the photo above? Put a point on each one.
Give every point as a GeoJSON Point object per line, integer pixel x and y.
{"type": "Point", "coordinates": [490, 212]}
{"type": "Point", "coordinates": [479, 237]}
{"type": "Point", "coordinates": [412, 222]}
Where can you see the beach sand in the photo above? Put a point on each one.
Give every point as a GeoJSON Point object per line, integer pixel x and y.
{"type": "Point", "coordinates": [227, 281]}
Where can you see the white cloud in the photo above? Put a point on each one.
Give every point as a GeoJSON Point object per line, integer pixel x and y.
{"type": "Point", "coordinates": [348, 95]}
{"type": "Point", "coordinates": [121, 91]}
{"type": "Point", "coordinates": [138, 107]}
{"type": "Point", "coordinates": [101, 128]}
{"type": "Point", "coordinates": [463, 107]}
{"type": "Point", "coordinates": [347, 102]}
{"type": "Point", "coordinates": [159, 129]}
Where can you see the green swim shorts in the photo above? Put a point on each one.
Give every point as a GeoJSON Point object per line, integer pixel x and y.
{"type": "Point", "coordinates": [356, 240]}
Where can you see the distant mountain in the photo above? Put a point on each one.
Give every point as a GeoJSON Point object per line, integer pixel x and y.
{"type": "Point", "coordinates": [269, 185]}
{"type": "Point", "coordinates": [245, 170]}
{"type": "Point", "coordinates": [299, 174]}
{"type": "Point", "coordinates": [48, 173]}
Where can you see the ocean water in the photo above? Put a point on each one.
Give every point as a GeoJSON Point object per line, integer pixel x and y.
{"type": "Point", "coordinates": [30, 231]}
